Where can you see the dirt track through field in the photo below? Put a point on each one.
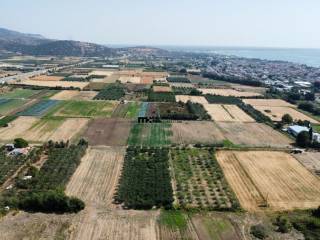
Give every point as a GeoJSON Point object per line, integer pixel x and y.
{"type": "Point", "coordinates": [269, 178]}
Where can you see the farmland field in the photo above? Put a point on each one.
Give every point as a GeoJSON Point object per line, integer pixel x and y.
{"type": "Point", "coordinates": [196, 99]}
{"type": "Point", "coordinates": [268, 102]}
{"type": "Point", "coordinates": [47, 78]}
{"type": "Point", "coordinates": [86, 109]}
{"type": "Point", "coordinates": [112, 91]}
{"type": "Point", "coordinates": [54, 84]}
{"type": "Point", "coordinates": [9, 105]}
{"type": "Point", "coordinates": [96, 178]}
{"type": "Point", "coordinates": [276, 113]}
{"type": "Point", "coordinates": [272, 180]}
{"type": "Point", "coordinates": [227, 113]}
{"type": "Point", "coordinates": [191, 132]}
{"type": "Point", "coordinates": [150, 134]}
{"type": "Point", "coordinates": [311, 160]}
{"type": "Point", "coordinates": [20, 93]}
{"type": "Point", "coordinates": [162, 89]}
{"type": "Point", "coordinates": [39, 108]}
{"type": "Point", "coordinates": [228, 92]}
{"type": "Point", "coordinates": [253, 134]}
{"type": "Point", "coordinates": [199, 180]}
{"type": "Point", "coordinates": [74, 95]}
{"type": "Point", "coordinates": [129, 110]}
{"type": "Point", "coordinates": [108, 132]}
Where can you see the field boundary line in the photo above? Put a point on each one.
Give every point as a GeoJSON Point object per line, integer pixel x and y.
{"type": "Point", "coordinates": [223, 106]}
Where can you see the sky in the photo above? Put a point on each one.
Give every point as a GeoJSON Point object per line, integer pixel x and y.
{"type": "Point", "coordinates": [254, 23]}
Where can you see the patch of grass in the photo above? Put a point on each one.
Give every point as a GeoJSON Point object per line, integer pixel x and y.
{"type": "Point", "coordinates": [4, 121]}
{"type": "Point", "coordinates": [8, 105]}
{"type": "Point", "coordinates": [217, 227]}
{"type": "Point", "coordinates": [173, 219]}
{"type": "Point", "coordinates": [316, 128]}
{"type": "Point", "coordinates": [150, 134]}
{"type": "Point", "coordinates": [133, 109]}
{"type": "Point", "coordinates": [20, 93]}
{"type": "Point", "coordinates": [86, 109]}
{"type": "Point", "coordinates": [48, 124]}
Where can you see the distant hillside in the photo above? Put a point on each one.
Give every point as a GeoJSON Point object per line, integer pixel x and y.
{"type": "Point", "coordinates": [35, 44]}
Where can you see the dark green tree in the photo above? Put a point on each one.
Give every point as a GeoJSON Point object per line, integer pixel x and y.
{"type": "Point", "coordinates": [303, 139]}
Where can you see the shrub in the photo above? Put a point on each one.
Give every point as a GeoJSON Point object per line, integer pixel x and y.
{"type": "Point", "coordinates": [303, 139]}
{"type": "Point", "coordinates": [287, 119]}
{"type": "Point", "coordinates": [20, 143]}
{"type": "Point", "coordinates": [259, 231]}
{"type": "Point", "coordinates": [283, 223]}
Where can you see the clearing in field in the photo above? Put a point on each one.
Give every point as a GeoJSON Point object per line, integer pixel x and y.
{"type": "Point", "coordinates": [253, 134]}
{"type": "Point", "coordinates": [192, 132]}
{"type": "Point", "coordinates": [272, 180]}
{"type": "Point", "coordinates": [108, 132]}
{"type": "Point", "coordinates": [199, 181]}
{"type": "Point", "coordinates": [228, 92]}
{"type": "Point", "coordinates": [9, 105]}
{"type": "Point", "coordinates": [64, 84]}
{"type": "Point", "coordinates": [74, 95]}
{"type": "Point", "coordinates": [227, 113]}
{"type": "Point", "coordinates": [267, 102]}
{"type": "Point", "coordinates": [96, 179]}
{"type": "Point", "coordinates": [86, 109]}
{"type": "Point", "coordinates": [150, 134]}
{"type": "Point", "coordinates": [276, 113]}
{"type": "Point", "coordinates": [311, 160]}
{"type": "Point", "coordinates": [196, 99]}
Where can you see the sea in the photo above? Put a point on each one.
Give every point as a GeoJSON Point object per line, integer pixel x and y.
{"type": "Point", "coordinates": [310, 57]}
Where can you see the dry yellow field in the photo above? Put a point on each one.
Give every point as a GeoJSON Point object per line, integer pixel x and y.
{"type": "Point", "coordinates": [271, 179]}
{"type": "Point", "coordinates": [17, 128]}
{"type": "Point", "coordinates": [65, 84]}
{"type": "Point", "coordinates": [229, 92]}
{"type": "Point", "coordinates": [126, 79]}
{"type": "Point", "coordinates": [47, 78]}
{"type": "Point", "coordinates": [268, 102]}
{"type": "Point", "coordinates": [195, 99]}
{"type": "Point", "coordinates": [96, 178]}
{"type": "Point", "coordinates": [276, 113]}
{"type": "Point", "coordinates": [101, 73]}
{"type": "Point", "coordinates": [227, 113]}
{"type": "Point", "coordinates": [74, 95]}
{"type": "Point", "coordinates": [162, 89]}
{"type": "Point", "coordinates": [311, 160]}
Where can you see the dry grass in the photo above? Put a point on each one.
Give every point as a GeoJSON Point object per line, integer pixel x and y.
{"type": "Point", "coordinates": [227, 113]}
{"type": "Point", "coordinates": [162, 89]}
{"type": "Point", "coordinates": [191, 132]}
{"type": "Point", "coordinates": [229, 92]}
{"type": "Point", "coordinates": [47, 78]}
{"type": "Point", "coordinates": [64, 84]}
{"type": "Point", "coordinates": [276, 113]}
{"type": "Point", "coordinates": [267, 102]}
{"type": "Point", "coordinates": [101, 73]}
{"type": "Point", "coordinates": [126, 79]}
{"type": "Point", "coordinates": [196, 99]}
{"type": "Point", "coordinates": [253, 134]}
{"type": "Point", "coordinates": [268, 178]}
{"type": "Point", "coordinates": [311, 160]}
{"type": "Point", "coordinates": [74, 95]}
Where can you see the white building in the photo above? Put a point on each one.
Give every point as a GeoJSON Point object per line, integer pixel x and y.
{"type": "Point", "coordinates": [296, 129]}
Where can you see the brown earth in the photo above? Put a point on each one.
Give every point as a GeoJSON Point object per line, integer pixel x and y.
{"type": "Point", "coordinates": [268, 102]}
{"type": "Point", "coordinates": [196, 99]}
{"type": "Point", "coordinates": [108, 132]}
{"type": "Point", "coordinates": [227, 113]}
{"type": "Point", "coordinates": [311, 160]}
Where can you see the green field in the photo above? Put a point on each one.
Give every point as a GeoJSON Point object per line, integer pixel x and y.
{"type": "Point", "coordinates": [86, 109]}
{"type": "Point", "coordinates": [20, 93]}
{"type": "Point", "coordinates": [150, 134]}
{"type": "Point", "coordinates": [48, 124]}
{"type": "Point", "coordinates": [9, 106]}
{"type": "Point", "coordinates": [129, 110]}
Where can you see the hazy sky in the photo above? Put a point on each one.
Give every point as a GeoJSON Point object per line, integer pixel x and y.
{"type": "Point", "coordinates": [271, 23]}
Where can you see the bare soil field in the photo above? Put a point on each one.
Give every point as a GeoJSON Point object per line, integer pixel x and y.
{"type": "Point", "coordinates": [96, 178]}
{"type": "Point", "coordinates": [108, 132]}
{"type": "Point", "coordinates": [97, 224]}
{"type": "Point", "coordinates": [196, 99]}
{"type": "Point", "coordinates": [69, 129]}
{"type": "Point", "coordinates": [162, 89]}
{"type": "Point", "coordinates": [190, 132]}
{"type": "Point", "coordinates": [46, 78]}
{"type": "Point", "coordinates": [126, 79]}
{"type": "Point", "coordinates": [273, 180]}
{"type": "Point", "coordinates": [311, 160]}
{"type": "Point", "coordinates": [228, 92]}
{"type": "Point", "coordinates": [253, 134]}
{"type": "Point", "coordinates": [29, 226]}
{"type": "Point", "coordinates": [74, 95]}
{"type": "Point", "coordinates": [65, 84]}
{"type": "Point", "coordinates": [276, 113]}
{"type": "Point", "coordinates": [184, 85]}
{"type": "Point", "coordinates": [239, 87]}
{"type": "Point", "coordinates": [227, 113]}
{"type": "Point", "coordinates": [17, 128]}
{"type": "Point", "coordinates": [268, 102]}
{"type": "Point", "coordinates": [101, 73]}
